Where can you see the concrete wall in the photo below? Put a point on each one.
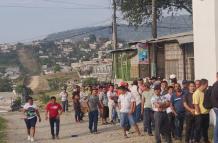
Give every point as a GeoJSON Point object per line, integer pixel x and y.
{"type": "Point", "coordinates": [205, 18]}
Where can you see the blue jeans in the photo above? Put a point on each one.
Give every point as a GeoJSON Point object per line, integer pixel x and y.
{"type": "Point", "coordinates": [216, 127]}
{"type": "Point", "coordinates": [93, 120]}
{"type": "Point", "coordinates": [126, 119]}
{"type": "Point", "coordinates": [64, 105]}
{"type": "Point", "coordinates": [137, 113]}
{"type": "Point", "coordinates": [179, 122]}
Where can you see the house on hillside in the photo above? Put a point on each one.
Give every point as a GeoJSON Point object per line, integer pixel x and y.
{"type": "Point", "coordinates": [174, 55]}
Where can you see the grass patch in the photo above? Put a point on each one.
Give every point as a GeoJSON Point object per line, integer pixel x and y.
{"type": "Point", "coordinates": [2, 130]}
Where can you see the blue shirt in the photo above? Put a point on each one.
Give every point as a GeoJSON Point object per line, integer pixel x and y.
{"type": "Point", "coordinates": [177, 102]}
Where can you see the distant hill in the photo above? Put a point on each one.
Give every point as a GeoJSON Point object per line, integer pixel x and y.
{"type": "Point", "coordinates": [167, 25]}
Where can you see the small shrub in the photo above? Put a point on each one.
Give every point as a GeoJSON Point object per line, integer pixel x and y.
{"type": "Point", "coordinates": [44, 98]}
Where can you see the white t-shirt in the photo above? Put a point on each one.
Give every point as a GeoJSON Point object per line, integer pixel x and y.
{"type": "Point", "coordinates": [125, 101]}
{"type": "Point", "coordinates": [63, 96]}
{"type": "Point", "coordinates": [30, 110]}
{"type": "Point", "coordinates": [135, 93]}
{"type": "Point", "coordinates": [109, 96]}
{"type": "Point", "coordinates": [168, 97]}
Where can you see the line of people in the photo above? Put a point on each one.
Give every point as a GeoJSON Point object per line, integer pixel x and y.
{"type": "Point", "coordinates": [164, 109]}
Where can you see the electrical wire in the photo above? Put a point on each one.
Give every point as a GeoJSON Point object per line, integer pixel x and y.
{"type": "Point", "coordinates": [46, 7]}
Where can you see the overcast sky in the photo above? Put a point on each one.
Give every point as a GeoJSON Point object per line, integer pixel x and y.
{"type": "Point", "coordinates": [24, 20]}
{"type": "Point", "coordinates": [27, 20]}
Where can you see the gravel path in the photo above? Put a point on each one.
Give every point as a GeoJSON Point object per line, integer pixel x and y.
{"type": "Point", "coordinates": [107, 134]}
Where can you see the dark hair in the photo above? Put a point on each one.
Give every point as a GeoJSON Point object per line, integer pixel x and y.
{"type": "Point", "coordinates": [140, 79]}
{"type": "Point", "coordinates": [164, 82]}
{"type": "Point", "coordinates": [135, 82]}
{"type": "Point", "coordinates": [191, 82]}
{"type": "Point", "coordinates": [203, 81]}
{"type": "Point", "coordinates": [29, 98]}
{"type": "Point", "coordinates": [53, 97]}
{"type": "Point", "coordinates": [170, 87]}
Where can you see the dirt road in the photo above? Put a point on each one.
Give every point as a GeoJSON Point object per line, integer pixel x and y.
{"type": "Point", "coordinates": [34, 82]}
{"type": "Point", "coordinates": [108, 133]}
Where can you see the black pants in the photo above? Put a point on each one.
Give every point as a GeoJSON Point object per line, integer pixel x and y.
{"type": "Point", "coordinates": [93, 120]}
{"type": "Point", "coordinates": [189, 131]}
{"type": "Point", "coordinates": [201, 127]}
{"type": "Point", "coordinates": [148, 116]}
{"type": "Point", "coordinates": [171, 118]}
{"type": "Point", "coordinates": [162, 126]}
{"type": "Point", "coordinates": [179, 122]}
{"type": "Point", "coordinates": [53, 122]}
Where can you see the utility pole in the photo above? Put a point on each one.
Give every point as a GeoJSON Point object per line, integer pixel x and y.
{"type": "Point", "coordinates": [114, 39]}
{"type": "Point", "coordinates": [114, 25]}
{"type": "Point", "coordinates": [154, 35]}
{"type": "Point", "coordinates": [154, 18]}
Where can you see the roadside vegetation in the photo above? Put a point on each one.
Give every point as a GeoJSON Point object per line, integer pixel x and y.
{"type": "Point", "coordinates": [2, 130]}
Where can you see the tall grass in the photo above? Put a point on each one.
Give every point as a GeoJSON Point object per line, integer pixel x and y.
{"type": "Point", "coordinates": [2, 130]}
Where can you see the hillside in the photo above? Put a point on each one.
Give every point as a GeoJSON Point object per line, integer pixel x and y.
{"type": "Point", "coordinates": [27, 60]}
{"type": "Point", "coordinates": [167, 25]}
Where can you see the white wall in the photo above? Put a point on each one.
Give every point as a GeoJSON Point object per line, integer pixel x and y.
{"type": "Point", "coordinates": [205, 18]}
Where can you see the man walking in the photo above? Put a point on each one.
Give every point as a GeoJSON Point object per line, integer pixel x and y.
{"type": "Point", "coordinates": [53, 111]}
{"type": "Point", "coordinates": [64, 99]}
{"type": "Point", "coordinates": [93, 105]}
{"type": "Point", "coordinates": [135, 92]}
{"type": "Point", "coordinates": [31, 112]}
{"type": "Point", "coordinates": [126, 104]}
{"type": "Point", "coordinates": [202, 117]}
{"type": "Point", "coordinates": [160, 104]}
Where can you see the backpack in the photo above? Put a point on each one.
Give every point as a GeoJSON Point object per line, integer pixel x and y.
{"type": "Point", "coordinates": [207, 98]}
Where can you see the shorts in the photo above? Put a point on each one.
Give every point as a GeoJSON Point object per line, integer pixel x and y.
{"type": "Point", "coordinates": [105, 113]}
{"type": "Point", "coordinates": [31, 123]}
{"type": "Point", "coordinates": [126, 119]}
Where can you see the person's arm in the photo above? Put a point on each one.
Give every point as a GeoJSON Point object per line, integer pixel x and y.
{"type": "Point", "coordinates": [188, 108]}
{"type": "Point", "coordinates": [60, 111]}
{"type": "Point", "coordinates": [87, 103]}
{"type": "Point", "coordinates": [142, 105]}
{"type": "Point", "coordinates": [132, 107]}
{"type": "Point", "coordinates": [196, 103]}
{"type": "Point", "coordinates": [38, 114]}
{"type": "Point", "coordinates": [197, 109]}
{"type": "Point", "coordinates": [173, 109]}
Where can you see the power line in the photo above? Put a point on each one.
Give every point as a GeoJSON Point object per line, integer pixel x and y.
{"type": "Point", "coordinates": [84, 33]}
{"type": "Point", "coordinates": [74, 3]}
{"type": "Point", "coordinates": [42, 7]}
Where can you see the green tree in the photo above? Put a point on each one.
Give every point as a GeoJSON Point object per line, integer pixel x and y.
{"type": "Point", "coordinates": [137, 12]}
{"type": "Point", "coordinates": [56, 68]}
{"type": "Point", "coordinates": [5, 85]}
{"type": "Point", "coordinates": [19, 89]}
{"type": "Point", "coordinates": [90, 81]}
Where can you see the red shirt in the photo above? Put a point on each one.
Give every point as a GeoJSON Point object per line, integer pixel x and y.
{"type": "Point", "coordinates": [53, 109]}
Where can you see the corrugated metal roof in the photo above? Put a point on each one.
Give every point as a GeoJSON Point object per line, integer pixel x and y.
{"type": "Point", "coordinates": [123, 50]}
{"type": "Point", "coordinates": [182, 38]}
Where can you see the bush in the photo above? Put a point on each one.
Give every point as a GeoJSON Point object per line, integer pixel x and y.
{"type": "Point", "coordinates": [44, 98]}
{"type": "Point", "coordinates": [2, 130]}
{"type": "Point", "coordinates": [90, 81]}
{"type": "Point", "coordinates": [5, 85]}
{"type": "Point", "coordinates": [56, 83]}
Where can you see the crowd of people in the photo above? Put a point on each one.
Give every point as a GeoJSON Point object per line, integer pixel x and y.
{"type": "Point", "coordinates": [167, 109]}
